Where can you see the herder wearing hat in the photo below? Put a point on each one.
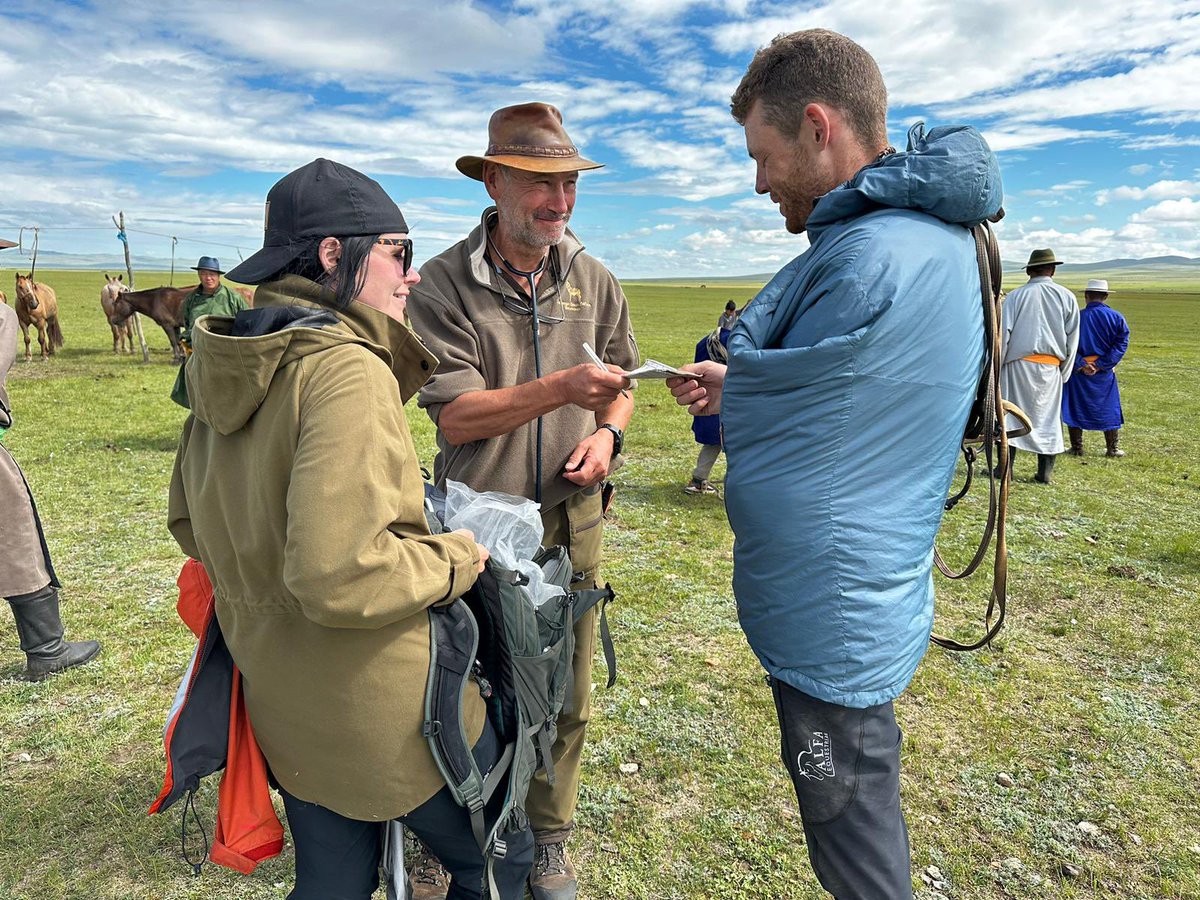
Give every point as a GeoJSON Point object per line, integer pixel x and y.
{"type": "Point", "coordinates": [1091, 400]}
{"type": "Point", "coordinates": [518, 407]}
{"type": "Point", "coordinates": [211, 298]}
{"type": "Point", "coordinates": [1041, 331]}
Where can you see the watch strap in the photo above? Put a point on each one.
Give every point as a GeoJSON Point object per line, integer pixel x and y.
{"type": "Point", "coordinates": [618, 436]}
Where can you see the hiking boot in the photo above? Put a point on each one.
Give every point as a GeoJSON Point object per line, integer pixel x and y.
{"type": "Point", "coordinates": [699, 486]}
{"type": "Point", "coordinates": [553, 876]}
{"type": "Point", "coordinates": [40, 630]}
{"type": "Point", "coordinates": [1076, 435]}
{"type": "Point", "coordinates": [1111, 437]}
{"type": "Point", "coordinates": [428, 877]}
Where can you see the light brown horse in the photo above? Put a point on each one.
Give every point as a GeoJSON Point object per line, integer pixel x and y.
{"type": "Point", "coordinates": [122, 326]}
{"type": "Point", "coordinates": [37, 304]}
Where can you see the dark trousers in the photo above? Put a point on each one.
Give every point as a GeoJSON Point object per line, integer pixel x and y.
{"type": "Point", "coordinates": [845, 765]}
{"type": "Point", "coordinates": [338, 858]}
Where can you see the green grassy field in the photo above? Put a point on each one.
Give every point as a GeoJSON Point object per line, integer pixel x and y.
{"type": "Point", "coordinates": [1088, 701]}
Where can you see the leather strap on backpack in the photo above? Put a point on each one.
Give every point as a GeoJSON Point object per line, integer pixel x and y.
{"type": "Point", "coordinates": [986, 429]}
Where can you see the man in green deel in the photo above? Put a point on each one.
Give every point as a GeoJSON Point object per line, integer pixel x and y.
{"type": "Point", "coordinates": [211, 299]}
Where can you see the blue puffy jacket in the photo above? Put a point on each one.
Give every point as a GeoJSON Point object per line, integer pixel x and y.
{"type": "Point", "coordinates": [850, 378]}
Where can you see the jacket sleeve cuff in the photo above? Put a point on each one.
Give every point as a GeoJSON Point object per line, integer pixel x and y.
{"type": "Point", "coordinates": [464, 565]}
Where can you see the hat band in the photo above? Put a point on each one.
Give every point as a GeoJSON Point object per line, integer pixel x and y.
{"type": "Point", "coordinates": [530, 150]}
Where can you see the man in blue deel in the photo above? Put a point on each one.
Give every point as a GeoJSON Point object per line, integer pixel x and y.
{"type": "Point", "coordinates": [1091, 399]}
{"type": "Point", "coordinates": [848, 384]}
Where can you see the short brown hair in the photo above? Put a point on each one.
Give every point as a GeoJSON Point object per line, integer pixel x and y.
{"type": "Point", "coordinates": [815, 66]}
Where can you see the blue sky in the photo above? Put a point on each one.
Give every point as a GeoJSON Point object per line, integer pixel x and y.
{"type": "Point", "coordinates": [184, 113]}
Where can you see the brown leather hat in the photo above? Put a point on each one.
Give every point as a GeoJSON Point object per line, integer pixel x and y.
{"type": "Point", "coordinates": [529, 137]}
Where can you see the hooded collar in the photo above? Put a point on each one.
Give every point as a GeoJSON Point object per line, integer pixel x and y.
{"type": "Point", "coordinates": [949, 172]}
{"type": "Point", "coordinates": [228, 376]}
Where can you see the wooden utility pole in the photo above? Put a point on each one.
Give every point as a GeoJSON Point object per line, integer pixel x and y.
{"type": "Point", "coordinates": [137, 322]}
{"type": "Point", "coordinates": [21, 238]}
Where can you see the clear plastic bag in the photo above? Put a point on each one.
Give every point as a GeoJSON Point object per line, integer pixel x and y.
{"type": "Point", "coordinates": [509, 526]}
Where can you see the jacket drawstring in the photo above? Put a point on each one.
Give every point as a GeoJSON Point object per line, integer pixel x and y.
{"type": "Point", "coordinates": [190, 803]}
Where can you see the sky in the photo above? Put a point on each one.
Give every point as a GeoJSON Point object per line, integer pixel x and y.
{"type": "Point", "coordinates": [183, 113]}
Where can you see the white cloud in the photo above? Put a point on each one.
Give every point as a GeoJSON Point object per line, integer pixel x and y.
{"type": "Point", "coordinates": [1160, 190]}
{"type": "Point", "coordinates": [1185, 212]}
{"type": "Point", "coordinates": [685, 170]}
{"type": "Point", "coordinates": [972, 49]}
{"type": "Point", "coordinates": [714, 238]}
{"type": "Point", "coordinates": [399, 44]}
{"type": "Point", "coordinates": [1012, 136]}
{"type": "Point", "coordinates": [1161, 142]}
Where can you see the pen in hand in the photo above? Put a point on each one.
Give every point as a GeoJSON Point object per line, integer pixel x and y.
{"type": "Point", "coordinates": [587, 348]}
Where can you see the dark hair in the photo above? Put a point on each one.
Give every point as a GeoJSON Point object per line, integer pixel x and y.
{"type": "Point", "coordinates": [731, 305]}
{"type": "Point", "coordinates": [1038, 271]}
{"type": "Point", "coordinates": [815, 66]}
{"type": "Point", "coordinates": [347, 279]}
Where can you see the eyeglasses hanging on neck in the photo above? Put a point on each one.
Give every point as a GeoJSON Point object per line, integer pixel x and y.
{"type": "Point", "coordinates": [525, 305]}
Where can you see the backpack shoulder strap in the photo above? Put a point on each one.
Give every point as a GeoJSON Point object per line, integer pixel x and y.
{"type": "Point", "coordinates": [586, 600]}
{"type": "Point", "coordinates": [453, 643]}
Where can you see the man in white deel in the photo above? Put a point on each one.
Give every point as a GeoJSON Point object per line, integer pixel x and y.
{"type": "Point", "coordinates": [1041, 332]}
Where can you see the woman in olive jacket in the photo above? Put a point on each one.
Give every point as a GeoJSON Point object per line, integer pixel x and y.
{"type": "Point", "coordinates": [297, 485]}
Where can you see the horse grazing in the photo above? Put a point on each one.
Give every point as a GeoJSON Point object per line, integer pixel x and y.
{"type": "Point", "coordinates": [162, 304]}
{"type": "Point", "coordinates": [122, 329]}
{"type": "Point", "coordinates": [37, 304]}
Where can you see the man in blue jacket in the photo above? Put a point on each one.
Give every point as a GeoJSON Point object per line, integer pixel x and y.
{"type": "Point", "coordinates": [848, 385]}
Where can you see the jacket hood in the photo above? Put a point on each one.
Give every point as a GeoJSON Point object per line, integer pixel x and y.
{"type": "Point", "coordinates": [234, 359]}
{"type": "Point", "coordinates": [949, 172]}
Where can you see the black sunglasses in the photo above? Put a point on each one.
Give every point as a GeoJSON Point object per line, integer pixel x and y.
{"type": "Point", "coordinates": [406, 243]}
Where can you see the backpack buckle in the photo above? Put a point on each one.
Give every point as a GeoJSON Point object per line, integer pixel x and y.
{"type": "Point", "coordinates": [500, 849]}
{"type": "Point", "coordinates": [485, 686]}
{"type": "Point", "coordinates": [431, 728]}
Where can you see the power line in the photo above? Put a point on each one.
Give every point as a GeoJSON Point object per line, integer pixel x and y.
{"type": "Point", "coordinates": [187, 239]}
{"type": "Point", "coordinates": [177, 237]}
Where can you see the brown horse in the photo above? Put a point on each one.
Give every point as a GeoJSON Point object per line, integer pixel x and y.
{"type": "Point", "coordinates": [162, 304]}
{"type": "Point", "coordinates": [122, 329]}
{"type": "Point", "coordinates": [37, 304]}
{"type": "Point", "coordinates": [246, 293]}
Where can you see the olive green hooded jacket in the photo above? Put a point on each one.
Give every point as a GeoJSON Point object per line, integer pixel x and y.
{"type": "Point", "coordinates": [297, 485]}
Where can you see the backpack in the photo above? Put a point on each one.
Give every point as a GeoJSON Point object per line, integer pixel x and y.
{"type": "Point", "coordinates": [985, 432]}
{"type": "Point", "coordinates": [520, 658]}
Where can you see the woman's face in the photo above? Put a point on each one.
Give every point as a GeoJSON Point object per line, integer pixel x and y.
{"type": "Point", "coordinates": [386, 285]}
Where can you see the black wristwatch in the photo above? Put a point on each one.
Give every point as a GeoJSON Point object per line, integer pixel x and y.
{"type": "Point", "coordinates": [618, 437]}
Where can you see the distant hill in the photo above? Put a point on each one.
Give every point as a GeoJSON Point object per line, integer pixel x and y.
{"type": "Point", "coordinates": [113, 262]}
{"type": "Point", "coordinates": [1151, 269]}
{"type": "Point", "coordinates": [1164, 264]}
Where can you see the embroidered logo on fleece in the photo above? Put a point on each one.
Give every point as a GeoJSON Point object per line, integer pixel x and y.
{"type": "Point", "coordinates": [574, 301]}
{"type": "Point", "coordinates": [819, 762]}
